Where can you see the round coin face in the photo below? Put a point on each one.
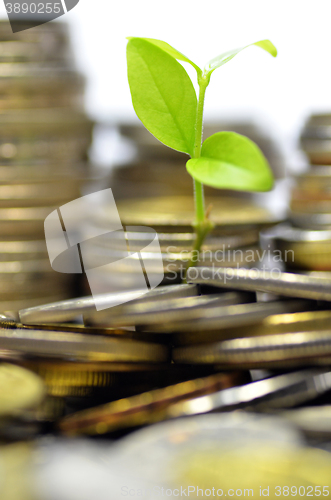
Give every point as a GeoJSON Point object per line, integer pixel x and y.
{"type": "Point", "coordinates": [19, 389]}
{"type": "Point", "coordinates": [173, 443]}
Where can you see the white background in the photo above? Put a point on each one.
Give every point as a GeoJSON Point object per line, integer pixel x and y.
{"type": "Point", "coordinates": [279, 92]}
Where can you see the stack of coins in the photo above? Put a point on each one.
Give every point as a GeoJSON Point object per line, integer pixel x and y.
{"type": "Point", "coordinates": [160, 171]}
{"type": "Point", "coordinates": [44, 139]}
{"type": "Point", "coordinates": [306, 243]}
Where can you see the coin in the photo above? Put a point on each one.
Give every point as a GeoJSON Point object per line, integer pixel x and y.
{"type": "Point", "coordinates": [179, 212]}
{"type": "Point", "coordinates": [176, 443]}
{"type": "Point", "coordinates": [21, 89]}
{"type": "Point", "coordinates": [308, 321]}
{"type": "Point", "coordinates": [17, 303]}
{"type": "Point", "coordinates": [162, 312]}
{"type": "Point", "coordinates": [42, 171]}
{"type": "Point", "coordinates": [19, 389]}
{"type": "Point", "coordinates": [314, 421]}
{"type": "Point", "coordinates": [266, 467]}
{"type": "Point", "coordinates": [288, 284]}
{"type": "Point", "coordinates": [227, 317]}
{"type": "Point", "coordinates": [315, 139]}
{"type": "Point", "coordinates": [281, 391]}
{"type": "Point", "coordinates": [310, 221]}
{"type": "Point", "coordinates": [144, 408]}
{"type": "Point", "coordinates": [276, 351]}
{"type": "Point", "coordinates": [22, 250]}
{"type": "Point", "coordinates": [23, 222]}
{"type": "Point", "coordinates": [38, 194]}
{"type": "Point", "coordinates": [81, 347]}
{"type": "Point", "coordinates": [72, 309]}
{"type": "Point", "coordinates": [16, 471]}
{"type": "Point", "coordinates": [301, 248]}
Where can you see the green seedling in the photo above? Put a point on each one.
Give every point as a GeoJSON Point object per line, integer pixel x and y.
{"type": "Point", "coordinates": [166, 102]}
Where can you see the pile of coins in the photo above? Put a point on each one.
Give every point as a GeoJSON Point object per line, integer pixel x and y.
{"type": "Point", "coordinates": [44, 138]}
{"type": "Point", "coordinates": [179, 350]}
{"type": "Point", "coordinates": [306, 242]}
{"type": "Point", "coordinates": [233, 337]}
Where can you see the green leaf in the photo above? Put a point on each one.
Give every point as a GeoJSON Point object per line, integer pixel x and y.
{"type": "Point", "coordinates": [227, 56]}
{"type": "Point", "coordinates": [231, 161]}
{"type": "Point", "coordinates": [162, 94]}
{"type": "Point", "coordinates": [171, 51]}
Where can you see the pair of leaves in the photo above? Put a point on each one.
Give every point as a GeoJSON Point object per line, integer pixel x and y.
{"type": "Point", "coordinates": [164, 99]}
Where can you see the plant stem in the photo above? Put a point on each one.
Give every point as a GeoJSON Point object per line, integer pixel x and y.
{"type": "Point", "coordinates": [202, 225]}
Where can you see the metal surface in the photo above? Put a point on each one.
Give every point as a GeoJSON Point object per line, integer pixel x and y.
{"type": "Point", "coordinates": [286, 284]}
{"type": "Point", "coordinates": [281, 391]}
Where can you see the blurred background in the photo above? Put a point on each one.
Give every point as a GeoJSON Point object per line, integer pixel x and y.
{"type": "Point", "coordinates": [278, 93]}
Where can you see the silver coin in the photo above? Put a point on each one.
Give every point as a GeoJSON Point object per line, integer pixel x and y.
{"type": "Point", "coordinates": [275, 351]}
{"type": "Point", "coordinates": [314, 421]}
{"type": "Point", "coordinates": [163, 311]}
{"type": "Point", "coordinates": [227, 316]}
{"type": "Point", "coordinates": [310, 220]}
{"type": "Point", "coordinates": [47, 295]}
{"type": "Point", "coordinates": [79, 347]}
{"type": "Point", "coordinates": [282, 391]}
{"type": "Point", "coordinates": [285, 232]}
{"type": "Point", "coordinates": [70, 310]}
{"type": "Point", "coordinates": [301, 321]}
{"type": "Point", "coordinates": [286, 284]}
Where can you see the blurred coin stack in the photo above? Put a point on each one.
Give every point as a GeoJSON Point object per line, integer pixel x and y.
{"type": "Point", "coordinates": [157, 170]}
{"type": "Point", "coordinates": [306, 243]}
{"type": "Point", "coordinates": [44, 138]}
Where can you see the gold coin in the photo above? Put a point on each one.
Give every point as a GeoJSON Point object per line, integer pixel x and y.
{"type": "Point", "coordinates": [23, 222]}
{"type": "Point", "coordinates": [65, 379]}
{"type": "Point", "coordinates": [179, 211]}
{"type": "Point", "coordinates": [145, 408]}
{"type": "Point", "coordinates": [17, 471]}
{"type": "Point", "coordinates": [257, 470]}
{"type": "Point", "coordinates": [31, 122]}
{"type": "Point", "coordinates": [38, 194]}
{"type": "Point", "coordinates": [275, 324]}
{"type": "Point", "coordinates": [19, 389]}
{"type": "Point", "coordinates": [42, 171]}
{"type": "Point", "coordinates": [314, 255]}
